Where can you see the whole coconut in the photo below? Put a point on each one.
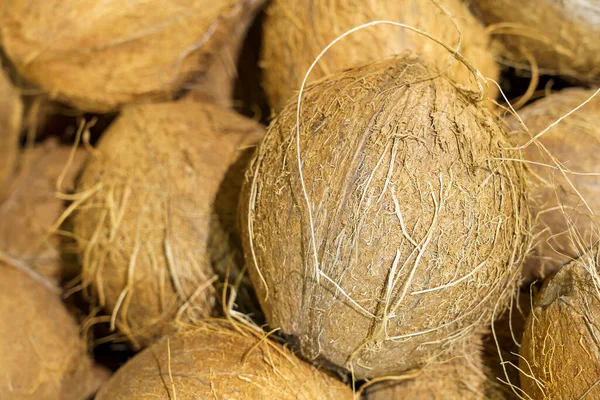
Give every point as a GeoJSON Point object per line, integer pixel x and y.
{"type": "Point", "coordinates": [560, 355]}
{"type": "Point", "coordinates": [43, 356]}
{"type": "Point", "coordinates": [295, 32]}
{"type": "Point", "coordinates": [100, 55]}
{"type": "Point", "coordinates": [158, 210]}
{"type": "Point", "coordinates": [217, 361]}
{"type": "Point", "coordinates": [33, 208]}
{"type": "Point", "coordinates": [403, 235]}
{"type": "Point", "coordinates": [562, 36]}
{"type": "Point", "coordinates": [566, 226]}
{"type": "Point", "coordinates": [11, 114]}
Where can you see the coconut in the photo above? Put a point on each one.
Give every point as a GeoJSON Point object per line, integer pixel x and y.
{"type": "Point", "coordinates": [11, 114]}
{"type": "Point", "coordinates": [562, 36]}
{"type": "Point", "coordinates": [560, 356]}
{"type": "Point", "coordinates": [32, 209]}
{"type": "Point", "coordinates": [158, 201]}
{"type": "Point", "coordinates": [43, 356]}
{"type": "Point", "coordinates": [566, 204]}
{"type": "Point", "coordinates": [98, 56]}
{"type": "Point", "coordinates": [401, 232]}
{"type": "Point", "coordinates": [217, 361]}
{"type": "Point", "coordinates": [295, 32]}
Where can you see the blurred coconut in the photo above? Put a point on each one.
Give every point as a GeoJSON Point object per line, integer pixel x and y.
{"type": "Point", "coordinates": [11, 114]}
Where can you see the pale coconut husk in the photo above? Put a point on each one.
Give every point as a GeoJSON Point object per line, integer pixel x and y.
{"type": "Point", "coordinates": [217, 361]}
{"type": "Point", "coordinates": [566, 204]}
{"type": "Point", "coordinates": [561, 36]}
{"type": "Point", "coordinates": [11, 114]}
{"type": "Point", "coordinates": [43, 356]}
{"type": "Point", "coordinates": [415, 217]}
{"type": "Point", "coordinates": [98, 56]}
{"type": "Point", "coordinates": [156, 206]}
{"type": "Point", "coordinates": [30, 213]}
{"type": "Point", "coordinates": [560, 355]}
{"type": "Point", "coordinates": [295, 32]}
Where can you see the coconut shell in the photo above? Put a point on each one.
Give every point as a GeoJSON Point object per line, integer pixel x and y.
{"type": "Point", "coordinates": [11, 114]}
{"type": "Point", "coordinates": [575, 142]}
{"type": "Point", "coordinates": [560, 345]}
{"type": "Point", "coordinates": [43, 356]}
{"type": "Point", "coordinates": [32, 208]}
{"type": "Point", "coordinates": [162, 191]}
{"type": "Point", "coordinates": [98, 56]}
{"type": "Point", "coordinates": [295, 32]}
{"type": "Point", "coordinates": [216, 361]}
{"type": "Point", "coordinates": [562, 36]}
{"type": "Point", "coordinates": [415, 220]}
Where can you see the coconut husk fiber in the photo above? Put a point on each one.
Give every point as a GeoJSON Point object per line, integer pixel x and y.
{"type": "Point", "coordinates": [156, 214]}
{"type": "Point", "coordinates": [98, 56]}
{"type": "Point", "coordinates": [11, 114]}
{"type": "Point", "coordinates": [31, 210]}
{"type": "Point", "coordinates": [414, 226]}
{"type": "Point", "coordinates": [561, 36]}
{"type": "Point", "coordinates": [295, 32]}
{"type": "Point", "coordinates": [43, 356]}
{"type": "Point", "coordinates": [565, 226]}
{"type": "Point", "coordinates": [560, 355]}
{"type": "Point", "coordinates": [216, 361]}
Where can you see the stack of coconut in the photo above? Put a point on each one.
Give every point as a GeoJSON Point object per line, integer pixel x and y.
{"type": "Point", "coordinates": [402, 229]}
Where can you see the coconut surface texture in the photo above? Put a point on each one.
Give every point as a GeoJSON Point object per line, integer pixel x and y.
{"type": "Point", "coordinates": [11, 114]}
{"type": "Point", "coordinates": [404, 234]}
{"type": "Point", "coordinates": [561, 201]}
{"type": "Point", "coordinates": [216, 361]}
{"type": "Point", "coordinates": [98, 56]}
{"type": "Point", "coordinates": [562, 36]}
{"type": "Point", "coordinates": [31, 210]}
{"type": "Point", "coordinates": [43, 356]}
{"type": "Point", "coordinates": [560, 354]}
{"type": "Point", "coordinates": [158, 203]}
{"type": "Point", "coordinates": [295, 32]}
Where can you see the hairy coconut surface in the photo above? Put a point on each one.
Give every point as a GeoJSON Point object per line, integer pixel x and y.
{"type": "Point", "coordinates": [562, 36]}
{"type": "Point", "coordinates": [560, 355]}
{"type": "Point", "coordinates": [157, 206]}
{"type": "Point", "coordinates": [29, 213]}
{"type": "Point", "coordinates": [43, 356]}
{"type": "Point", "coordinates": [295, 32]}
{"type": "Point", "coordinates": [11, 114]}
{"type": "Point", "coordinates": [566, 204]}
{"type": "Point", "coordinates": [216, 361]}
{"type": "Point", "coordinates": [403, 233]}
{"type": "Point", "coordinates": [98, 56]}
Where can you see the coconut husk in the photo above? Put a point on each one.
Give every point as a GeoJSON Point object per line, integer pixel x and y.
{"type": "Point", "coordinates": [295, 32]}
{"type": "Point", "coordinates": [560, 355]}
{"type": "Point", "coordinates": [11, 114]}
{"type": "Point", "coordinates": [566, 204]}
{"type": "Point", "coordinates": [43, 356]}
{"type": "Point", "coordinates": [560, 36]}
{"type": "Point", "coordinates": [408, 205]}
{"type": "Point", "coordinates": [98, 56]}
{"type": "Point", "coordinates": [30, 213]}
{"type": "Point", "coordinates": [155, 214]}
{"type": "Point", "coordinates": [216, 361]}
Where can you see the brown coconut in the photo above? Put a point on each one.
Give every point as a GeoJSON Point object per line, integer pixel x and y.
{"type": "Point", "coordinates": [157, 213]}
{"type": "Point", "coordinates": [562, 36]}
{"type": "Point", "coordinates": [415, 221]}
{"type": "Point", "coordinates": [216, 361]}
{"type": "Point", "coordinates": [11, 114]}
{"type": "Point", "coordinates": [29, 216]}
{"type": "Point", "coordinates": [295, 32]}
{"type": "Point", "coordinates": [557, 197]}
{"type": "Point", "coordinates": [98, 56]}
{"type": "Point", "coordinates": [43, 356]}
{"type": "Point", "coordinates": [560, 354]}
